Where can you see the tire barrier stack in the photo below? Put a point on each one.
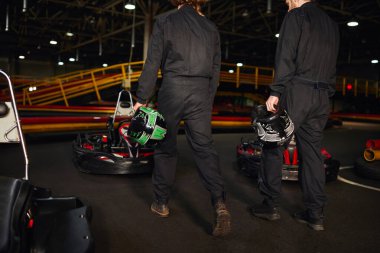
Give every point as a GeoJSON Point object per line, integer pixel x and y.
{"type": "Point", "coordinates": [372, 151]}
{"type": "Point", "coordinates": [368, 166]}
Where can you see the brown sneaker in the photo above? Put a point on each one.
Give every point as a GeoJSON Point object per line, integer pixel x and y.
{"type": "Point", "coordinates": [161, 210]}
{"type": "Point", "coordinates": [223, 220]}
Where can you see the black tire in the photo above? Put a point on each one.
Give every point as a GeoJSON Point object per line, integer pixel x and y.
{"type": "Point", "coordinates": [3, 109]}
{"type": "Point", "coordinates": [367, 169]}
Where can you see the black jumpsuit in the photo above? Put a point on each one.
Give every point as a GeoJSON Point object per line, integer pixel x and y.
{"type": "Point", "coordinates": [186, 46]}
{"type": "Point", "coordinates": [304, 80]}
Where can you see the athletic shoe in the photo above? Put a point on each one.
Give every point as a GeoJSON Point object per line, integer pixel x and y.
{"type": "Point", "coordinates": [161, 210]}
{"type": "Point", "coordinates": [314, 223]}
{"type": "Point", "coordinates": [265, 212]}
{"type": "Point", "coordinates": [222, 221]}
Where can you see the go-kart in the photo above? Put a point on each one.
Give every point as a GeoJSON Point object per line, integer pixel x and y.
{"type": "Point", "coordinates": [249, 160]}
{"type": "Point", "coordinates": [112, 151]}
{"type": "Point", "coordinates": [31, 218]}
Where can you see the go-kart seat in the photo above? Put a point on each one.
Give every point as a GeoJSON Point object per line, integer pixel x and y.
{"type": "Point", "coordinates": [122, 130]}
{"type": "Point", "coordinates": [133, 147]}
{"type": "Point", "coordinates": [117, 134]}
{"type": "Point", "coordinates": [125, 104]}
{"type": "Point", "coordinates": [14, 201]}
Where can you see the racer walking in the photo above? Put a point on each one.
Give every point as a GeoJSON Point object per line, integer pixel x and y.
{"type": "Point", "coordinates": [186, 46]}
{"type": "Point", "coordinates": [305, 67]}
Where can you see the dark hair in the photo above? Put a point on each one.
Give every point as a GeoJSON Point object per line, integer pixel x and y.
{"type": "Point", "coordinates": [195, 3]}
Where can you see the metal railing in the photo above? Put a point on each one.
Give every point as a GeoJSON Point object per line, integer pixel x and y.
{"type": "Point", "coordinates": [62, 88]}
{"type": "Point", "coordinates": [65, 87]}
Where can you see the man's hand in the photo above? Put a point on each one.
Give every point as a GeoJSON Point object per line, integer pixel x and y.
{"type": "Point", "coordinates": [272, 103]}
{"type": "Point", "coordinates": [137, 106]}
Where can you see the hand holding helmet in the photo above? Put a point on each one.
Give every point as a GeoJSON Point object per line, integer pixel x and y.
{"type": "Point", "coordinates": [137, 106]}
{"type": "Point", "coordinates": [272, 103]}
{"type": "Point", "coordinates": [147, 126]}
{"type": "Point", "coordinates": [273, 128]}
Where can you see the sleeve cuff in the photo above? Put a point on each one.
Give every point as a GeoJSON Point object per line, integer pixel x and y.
{"type": "Point", "coordinates": [141, 101]}
{"type": "Point", "coordinates": [275, 94]}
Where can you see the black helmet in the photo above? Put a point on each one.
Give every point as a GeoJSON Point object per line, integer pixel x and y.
{"type": "Point", "coordinates": [147, 126]}
{"type": "Point", "coordinates": [273, 129]}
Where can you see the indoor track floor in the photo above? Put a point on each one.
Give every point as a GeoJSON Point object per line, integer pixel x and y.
{"type": "Point", "coordinates": [122, 221]}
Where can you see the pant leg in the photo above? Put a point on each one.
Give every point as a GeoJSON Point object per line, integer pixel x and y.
{"type": "Point", "coordinates": [170, 105]}
{"type": "Point", "coordinates": [198, 133]}
{"type": "Point", "coordinates": [270, 175]}
{"type": "Point", "coordinates": [197, 118]}
{"type": "Point", "coordinates": [296, 101]}
{"type": "Point", "coordinates": [165, 162]}
{"type": "Point", "coordinates": [309, 143]}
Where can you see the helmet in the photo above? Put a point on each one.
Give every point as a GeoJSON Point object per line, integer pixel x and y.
{"type": "Point", "coordinates": [147, 126]}
{"type": "Point", "coordinates": [273, 129]}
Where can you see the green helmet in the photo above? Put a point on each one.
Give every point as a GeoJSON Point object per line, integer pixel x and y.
{"type": "Point", "coordinates": [147, 126]}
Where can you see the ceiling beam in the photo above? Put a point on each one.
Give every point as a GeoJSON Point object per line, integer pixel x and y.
{"type": "Point", "coordinates": [347, 13]}
{"type": "Point", "coordinates": [123, 29]}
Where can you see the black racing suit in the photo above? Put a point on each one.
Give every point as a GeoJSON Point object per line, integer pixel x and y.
{"type": "Point", "coordinates": [305, 69]}
{"type": "Point", "coordinates": [186, 46]}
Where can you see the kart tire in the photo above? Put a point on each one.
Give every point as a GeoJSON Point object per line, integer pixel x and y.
{"type": "Point", "coordinates": [366, 169]}
{"type": "Point", "coordinates": [3, 109]}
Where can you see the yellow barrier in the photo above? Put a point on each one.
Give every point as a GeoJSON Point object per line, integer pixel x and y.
{"type": "Point", "coordinates": [371, 155]}
{"type": "Point", "coordinates": [65, 87]}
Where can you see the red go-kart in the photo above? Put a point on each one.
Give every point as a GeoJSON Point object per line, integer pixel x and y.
{"type": "Point", "coordinates": [249, 161]}
{"type": "Point", "coordinates": [112, 152]}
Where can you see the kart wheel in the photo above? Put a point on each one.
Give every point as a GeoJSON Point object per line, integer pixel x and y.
{"type": "Point", "coordinates": [367, 169]}
{"type": "Point", "coordinates": [3, 109]}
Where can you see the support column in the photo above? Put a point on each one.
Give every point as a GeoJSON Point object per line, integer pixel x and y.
{"type": "Point", "coordinates": [147, 27]}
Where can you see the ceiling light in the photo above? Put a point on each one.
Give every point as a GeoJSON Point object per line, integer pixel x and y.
{"type": "Point", "coordinates": [277, 35]}
{"type": "Point", "coordinates": [231, 71]}
{"type": "Point", "coordinates": [105, 65]}
{"type": "Point", "coordinates": [245, 13]}
{"type": "Point", "coordinates": [69, 34]}
{"type": "Point", "coordinates": [61, 63]}
{"type": "Point", "coordinates": [130, 6]}
{"type": "Point", "coordinates": [53, 42]}
{"type": "Point", "coordinates": [375, 61]}
{"type": "Point", "coordinates": [71, 59]}
{"type": "Point", "coordinates": [21, 57]}
{"type": "Point", "coordinates": [239, 64]}
{"type": "Point", "coordinates": [24, 5]}
{"type": "Point", "coordinates": [352, 23]}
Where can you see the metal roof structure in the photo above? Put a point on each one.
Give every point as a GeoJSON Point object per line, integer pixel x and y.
{"type": "Point", "coordinates": [103, 30]}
